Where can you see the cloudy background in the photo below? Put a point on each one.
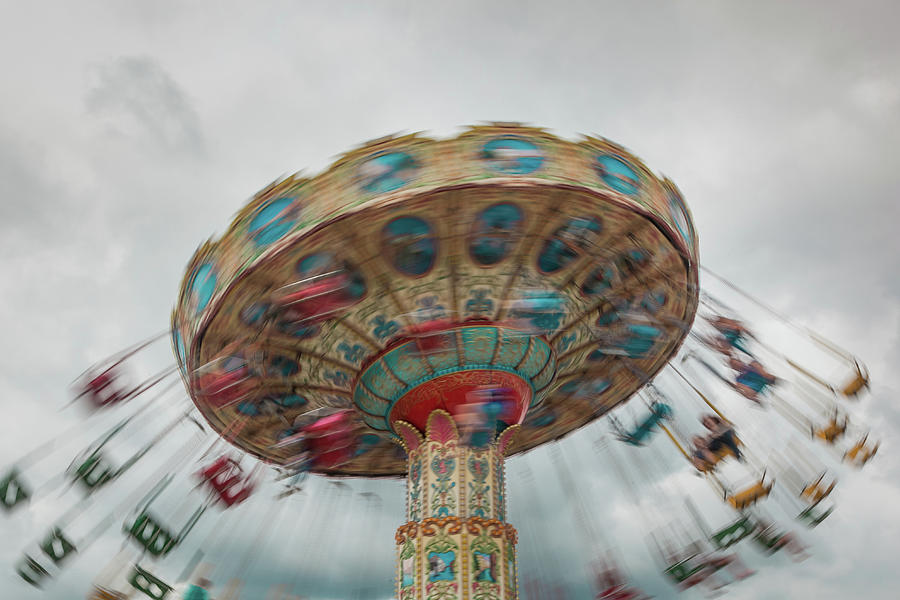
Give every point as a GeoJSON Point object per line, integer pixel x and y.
{"type": "Point", "coordinates": [130, 131]}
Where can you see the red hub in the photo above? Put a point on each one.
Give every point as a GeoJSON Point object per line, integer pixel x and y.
{"type": "Point", "coordinates": [453, 391]}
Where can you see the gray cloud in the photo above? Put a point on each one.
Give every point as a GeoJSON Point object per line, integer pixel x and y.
{"type": "Point", "coordinates": [137, 99]}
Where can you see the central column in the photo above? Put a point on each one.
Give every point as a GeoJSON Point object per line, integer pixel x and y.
{"type": "Point", "coordinates": [456, 544]}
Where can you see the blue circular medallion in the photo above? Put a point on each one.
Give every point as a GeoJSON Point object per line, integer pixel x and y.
{"type": "Point", "coordinates": [203, 284]}
{"type": "Point", "coordinates": [494, 233]}
{"type": "Point", "coordinates": [512, 155]}
{"type": "Point", "coordinates": [387, 172]}
{"type": "Point", "coordinates": [617, 174]}
{"type": "Point", "coordinates": [410, 245]}
{"type": "Point", "coordinates": [272, 221]}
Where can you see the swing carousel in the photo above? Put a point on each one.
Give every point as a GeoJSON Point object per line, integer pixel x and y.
{"type": "Point", "coordinates": [431, 307]}
{"type": "Point", "coordinates": [424, 309]}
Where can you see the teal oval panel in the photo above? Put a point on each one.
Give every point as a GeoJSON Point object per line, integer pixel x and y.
{"type": "Point", "coordinates": [203, 285]}
{"type": "Point", "coordinates": [617, 174]}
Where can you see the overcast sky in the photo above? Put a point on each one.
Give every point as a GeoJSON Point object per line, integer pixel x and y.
{"type": "Point", "coordinates": [130, 131]}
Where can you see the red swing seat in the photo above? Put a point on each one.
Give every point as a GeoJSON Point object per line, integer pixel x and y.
{"type": "Point", "coordinates": [430, 336]}
{"type": "Point", "coordinates": [330, 439]}
{"type": "Point", "coordinates": [222, 388]}
{"type": "Point", "coordinates": [103, 390]}
{"type": "Point", "coordinates": [228, 481]}
{"type": "Point", "coordinates": [315, 302]}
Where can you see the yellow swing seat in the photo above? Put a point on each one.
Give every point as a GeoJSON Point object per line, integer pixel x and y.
{"type": "Point", "coordinates": [750, 496]}
{"type": "Point", "coordinates": [721, 454]}
{"type": "Point", "coordinates": [860, 453]}
{"type": "Point", "coordinates": [817, 491]}
{"type": "Point", "coordinates": [99, 593]}
{"type": "Point", "coordinates": [859, 382]}
{"type": "Point", "coordinates": [832, 431]}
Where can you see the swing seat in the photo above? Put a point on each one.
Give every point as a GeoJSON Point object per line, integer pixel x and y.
{"type": "Point", "coordinates": [859, 382]}
{"type": "Point", "coordinates": [432, 337]}
{"type": "Point", "coordinates": [816, 492]}
{"type": "Point", "coordinates": [237, 494]}
{"type": "Point", "coordinates": [331, 440]}
{"type": "Point", "coordinates": [216, 467]}
{"type": "Point", "coordinates": [537, 302]}
{"type": "Point", "coordinates": [854, 387]}
{"type": "Point", "coordinates": [304, 302]}
{"type": "Point", "coordinates": [750, 496]}
{"type": "Point", "coordinates": [314, 311]}
{"type": "Point", "coordinates": [98, 383]}
{"type": "Point", "coordinates": [329, 425]}
{"type": "Point", "coordinates": [223, 389]}
{"type": "Point", "coordinates": [495, 403]}
{"type": "Point", "coordinates": [733, 533]}
{"type": "Point", "coordinates": [754, 381]}
{"type": "Point", "coordinates": [103, 390]}
{"type": "Point", "coordinates": [682, 571]}
{"type": "Point", "coordinates": [661, 410]}
{"type": "Point", "coordinates": [334, 458]}
{"type": "Point", "coordinates": [860, 454]}
{"type": "Point", "coordinates": [227, 480]}
{"type": "Point", "coordinates": [721, 454]}
{"type": "Point", "coordinates": [481, 438]}
{"type": "Point", "coordinates": [99, 593]}
{"type": "Point", "coordinates": [832, 431]}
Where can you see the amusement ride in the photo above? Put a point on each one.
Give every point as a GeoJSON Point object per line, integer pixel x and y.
{"type": "Point", "coordinates": [425, 309]}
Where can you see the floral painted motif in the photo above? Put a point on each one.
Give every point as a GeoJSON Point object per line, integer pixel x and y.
{"type": "Point", "coordinates": [383, 328]}
{"type": "Point", "coordinates": [353, 354]}
{"type": "Point", "coordinates": [443, 500]}
{"type": "Point", "coordinates": [430, 307]}
{"type": "Point", "coordinates": [338, 378]}
{"type": "Point", "coordinates": [479, 490]}
{"type": "Point", "coordinates": [480, 303]}
{"type": "Point", "coordinates": [415, 489]}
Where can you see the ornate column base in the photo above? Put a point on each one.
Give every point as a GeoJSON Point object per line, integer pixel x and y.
{"type": "Point", "coordinates": [463, 549]}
